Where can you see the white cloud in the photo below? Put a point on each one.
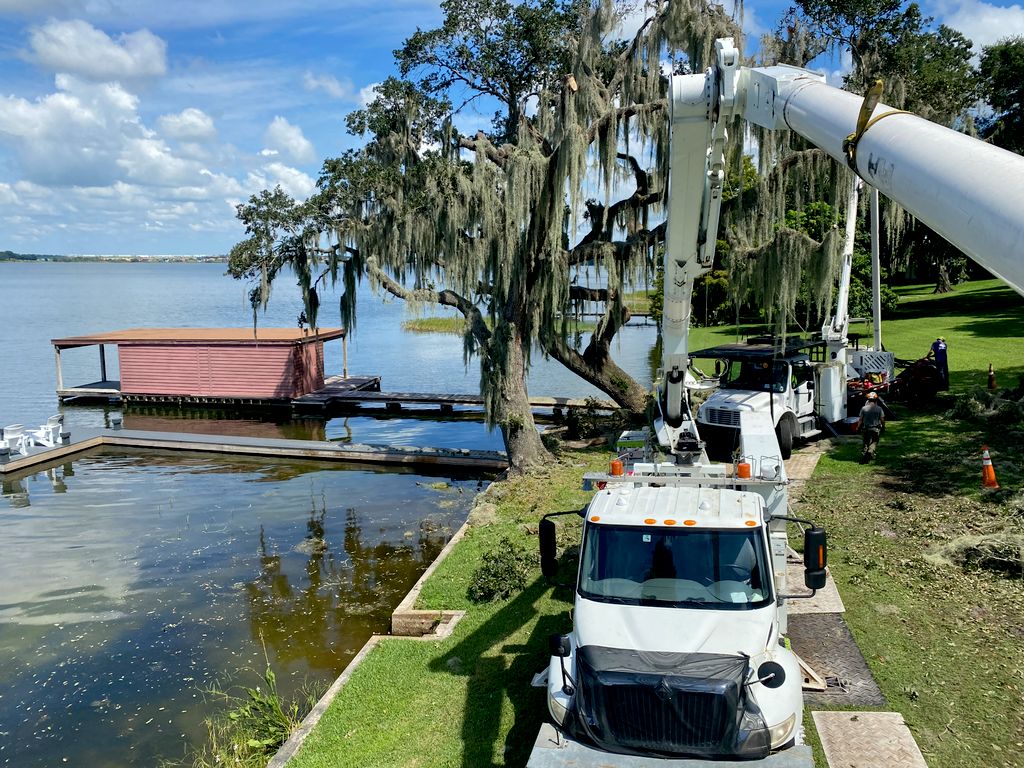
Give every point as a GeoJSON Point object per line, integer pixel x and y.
{"type": "Point", "coordinates": [293, 181]}
{"type": "Point", "coordinates": [367, 94]}
{"type": "Point", "coordinates": [190, 124]}
{"type": "Point", "coordinates": [835, 77]}
{"type": "Point", "coordinates": [983, 23]}
{"type": "Point", "coordinates": [329, 84]}
{"type": "Point", "coordinates": [73, 136]}
{"type": "Point", "coordinates": [289, 140]}
{"type": "Point", "coordinates": [78, 48]}
{"type": "Point", "coordinates": [7, 195]}
{"type": "Point", "coordinates": [150, 161]}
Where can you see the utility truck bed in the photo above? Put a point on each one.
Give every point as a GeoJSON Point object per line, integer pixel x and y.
{"type": "Point", "coordinates": [554, 749]}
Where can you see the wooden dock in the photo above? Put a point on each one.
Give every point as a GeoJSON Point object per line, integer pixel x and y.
{"type": "Point", "coordinates": [278, 448]}
{"type": "Point", "coordinates": [326, 399]}
{"type": "Point", "coordinates": [110, 391]}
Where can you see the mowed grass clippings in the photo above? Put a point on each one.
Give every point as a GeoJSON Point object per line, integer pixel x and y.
{"type": "Point", "coordinates": [466, 700]}
{"type": "Point", "coordinates": [945, 644]}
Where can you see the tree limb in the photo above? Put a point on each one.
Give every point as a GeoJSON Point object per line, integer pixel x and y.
{"type": "Point", "coordinates": [446, 297]}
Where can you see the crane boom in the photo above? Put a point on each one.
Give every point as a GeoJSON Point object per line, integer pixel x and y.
{"type": "Point", "coordinates": [970, 192]}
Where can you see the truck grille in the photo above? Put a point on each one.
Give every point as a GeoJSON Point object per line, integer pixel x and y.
{"type": "Point", "coordinates": [725, 417]}
{"type": "Point", "coordinates": [666, 719]}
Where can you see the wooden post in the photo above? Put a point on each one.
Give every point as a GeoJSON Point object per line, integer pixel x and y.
{"type": "Point", "coordinates": [60, 375]}
{"type": "Point", "coordinates": [103, 364]}
{"type": "Point", "coordinates": [344, 355]}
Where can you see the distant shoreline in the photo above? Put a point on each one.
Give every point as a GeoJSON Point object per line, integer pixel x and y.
{"type": "Point", "coordinates": [21, 258]}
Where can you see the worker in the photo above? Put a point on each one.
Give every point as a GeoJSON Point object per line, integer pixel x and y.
{"type": "Point", "coordinates": [938, 352]}
{"type": "Point", "coordinates": [870, 424]}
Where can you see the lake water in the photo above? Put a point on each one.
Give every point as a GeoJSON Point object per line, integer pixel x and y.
{"type": "Point", "coordinates": [52, 300]}
{"type": "Point", "coordinates": [131, 583]}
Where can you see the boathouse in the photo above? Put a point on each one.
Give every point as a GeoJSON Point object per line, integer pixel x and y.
{"type": "Point", "coordinates": [238, 365]}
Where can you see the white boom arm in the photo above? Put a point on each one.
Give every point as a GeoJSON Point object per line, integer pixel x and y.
{"type": "Point", "coordinates": [970, 192]}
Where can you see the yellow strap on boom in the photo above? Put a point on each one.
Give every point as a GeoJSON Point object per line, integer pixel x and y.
{"type": "Point", "coordinates": [865, 121]}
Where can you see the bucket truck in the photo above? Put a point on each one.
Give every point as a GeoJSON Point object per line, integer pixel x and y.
{"type": "Point", "coordinates": [797, 383]}
{"type": "Point", "coordinates": [677, 648]}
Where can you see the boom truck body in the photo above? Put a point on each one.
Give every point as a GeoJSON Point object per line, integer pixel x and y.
{"type": "Point", "coordinates": [798, 383]}
{"type": "Point", "coordinates": [677, 650]}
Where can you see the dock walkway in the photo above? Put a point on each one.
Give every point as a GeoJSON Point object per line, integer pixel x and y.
{"type": "Point", "coordinates": [279, 448]}
{"type": "Point", "coordinates": [395, 401]}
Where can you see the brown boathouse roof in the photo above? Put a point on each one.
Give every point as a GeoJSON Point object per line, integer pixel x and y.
{"type": "Point", "coordinates": [202, 336]}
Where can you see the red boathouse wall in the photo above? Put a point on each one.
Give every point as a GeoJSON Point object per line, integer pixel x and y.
{"type": "Point", "coordinates": [222, 370]}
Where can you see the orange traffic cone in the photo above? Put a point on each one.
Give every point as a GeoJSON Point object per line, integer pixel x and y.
{"type": "Point", "coordinates": [988, 472]}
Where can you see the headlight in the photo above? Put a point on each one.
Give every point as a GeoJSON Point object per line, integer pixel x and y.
{"type": "Point", "coordinates": [557, 708]}
{"type": "Point", "coordinates": [782, 732]}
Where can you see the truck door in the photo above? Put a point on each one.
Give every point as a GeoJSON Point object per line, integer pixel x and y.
{"type": "Point", "coordinates": [803, 388]}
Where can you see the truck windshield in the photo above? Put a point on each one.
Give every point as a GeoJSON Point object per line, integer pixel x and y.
{"type": "Point", "coordinates": [693, 568]}
{"type": "Point", "coordinates": [756, 375]}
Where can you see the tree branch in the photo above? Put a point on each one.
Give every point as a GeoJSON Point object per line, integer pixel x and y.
{"type": "Point", "coordinates": [446, 297]}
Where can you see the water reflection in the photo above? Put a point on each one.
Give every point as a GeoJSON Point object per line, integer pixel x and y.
{"type": "Point", "coordinates": [299, 614]}
{"type": "Point", "coordinates": [156, 575]}
{"type": "Point", "coordinates": [16, 492]}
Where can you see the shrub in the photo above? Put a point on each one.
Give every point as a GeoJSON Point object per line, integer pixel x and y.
{"type": "Point", "coordinates": [503, 572]}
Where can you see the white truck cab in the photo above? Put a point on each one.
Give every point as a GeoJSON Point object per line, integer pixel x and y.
{"type": "Point", "coordinates": [677, 644]}
{"type": "Point", "coordinates": [787, 385]}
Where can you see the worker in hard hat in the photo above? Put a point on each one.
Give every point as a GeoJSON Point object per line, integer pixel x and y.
{"type": "Point", "coordinates": [870, 424]}
{"type": "Point", "coordinates": [938, 353]}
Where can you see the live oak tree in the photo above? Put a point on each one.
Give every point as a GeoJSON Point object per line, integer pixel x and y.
{"type": "Point", "coordinates": [1002, 87]}
{"type": "Point", "coordinates": [520, 225]}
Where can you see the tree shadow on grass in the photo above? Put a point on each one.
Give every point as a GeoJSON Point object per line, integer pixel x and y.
{"type": "Point", "coordinates": [983, 303]}
{"type": "Point", "coordinates": [498, 670]}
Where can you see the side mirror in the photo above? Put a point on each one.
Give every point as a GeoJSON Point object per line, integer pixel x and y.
{"type": "Point", "coordinates": [548, 549]}
{"type": "Point", "coordinates": [718, 367]}
{"type": "Point", "coordinates": [810, 384]}
{"type": "Point", "coordinates": [815, 557]}
{"type": "Point", "coordinates": [559, 646]}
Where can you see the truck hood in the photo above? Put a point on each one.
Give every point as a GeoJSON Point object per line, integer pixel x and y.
{"type": "Point", "coordinates": [741, 400]}
{"type": "Point", "coordinates": [678, 630]}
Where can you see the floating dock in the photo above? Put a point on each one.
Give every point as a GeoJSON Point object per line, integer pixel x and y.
{"type": "Point", "coordinates": [318, 450]}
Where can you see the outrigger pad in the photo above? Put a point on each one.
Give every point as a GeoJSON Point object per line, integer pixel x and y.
{"type": "Point", "coordinates": [668, 704]}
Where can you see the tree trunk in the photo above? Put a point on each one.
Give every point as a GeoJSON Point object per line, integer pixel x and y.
{"type": "Point", "coordinates": [942, 282]}
{"type": "Point", "coordinates": [510, 410]}
{"type": "Point", "coordinates": [604, 373]}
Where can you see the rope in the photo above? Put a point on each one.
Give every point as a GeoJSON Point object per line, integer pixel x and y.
{"type": "Point", "coordinates": [865, 121]}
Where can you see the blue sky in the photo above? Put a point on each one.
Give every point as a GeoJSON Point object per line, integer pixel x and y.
{"type": "Point", "coordinates": [132, 126]}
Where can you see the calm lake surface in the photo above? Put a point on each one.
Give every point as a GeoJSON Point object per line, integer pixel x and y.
{"type": "Point", "coordinates": [131, 583]}
{"type": "Point", "coordinates": [45, 301]}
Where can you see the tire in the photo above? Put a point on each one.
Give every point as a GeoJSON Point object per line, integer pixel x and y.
{"type": "Point", "coordinates": [785, 434]}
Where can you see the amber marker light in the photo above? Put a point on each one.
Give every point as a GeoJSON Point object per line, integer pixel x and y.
{"type": "Point", "coordinates": [751, 523]}
{"type": "Point", "coordinates": [650, 521]}
{"type": "Point", "coordinates": [689, 522]}
{"type": "Point", "coordinates": [595, 518]}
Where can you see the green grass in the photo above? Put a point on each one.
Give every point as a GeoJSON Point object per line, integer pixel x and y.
{"type": "Point", "coordinates": [982, 322]}
{"type": "Point", "coordinates": [638, 301]}
{"type": "Point", "coordinates": [943, 643]}
{"type": "Point", "coordinates": [457, 325]}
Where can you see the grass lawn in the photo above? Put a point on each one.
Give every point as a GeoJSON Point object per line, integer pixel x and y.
{"type": "Point", "coordinates": [945, 643]}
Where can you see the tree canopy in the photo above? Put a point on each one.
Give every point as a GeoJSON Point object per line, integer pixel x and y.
{"type": "Point", "coordinates": [1002, 84]}
{"type": "Point", "coordinates": [554, 205]}
{"type": "Point", "coordinates": [507, 224]}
